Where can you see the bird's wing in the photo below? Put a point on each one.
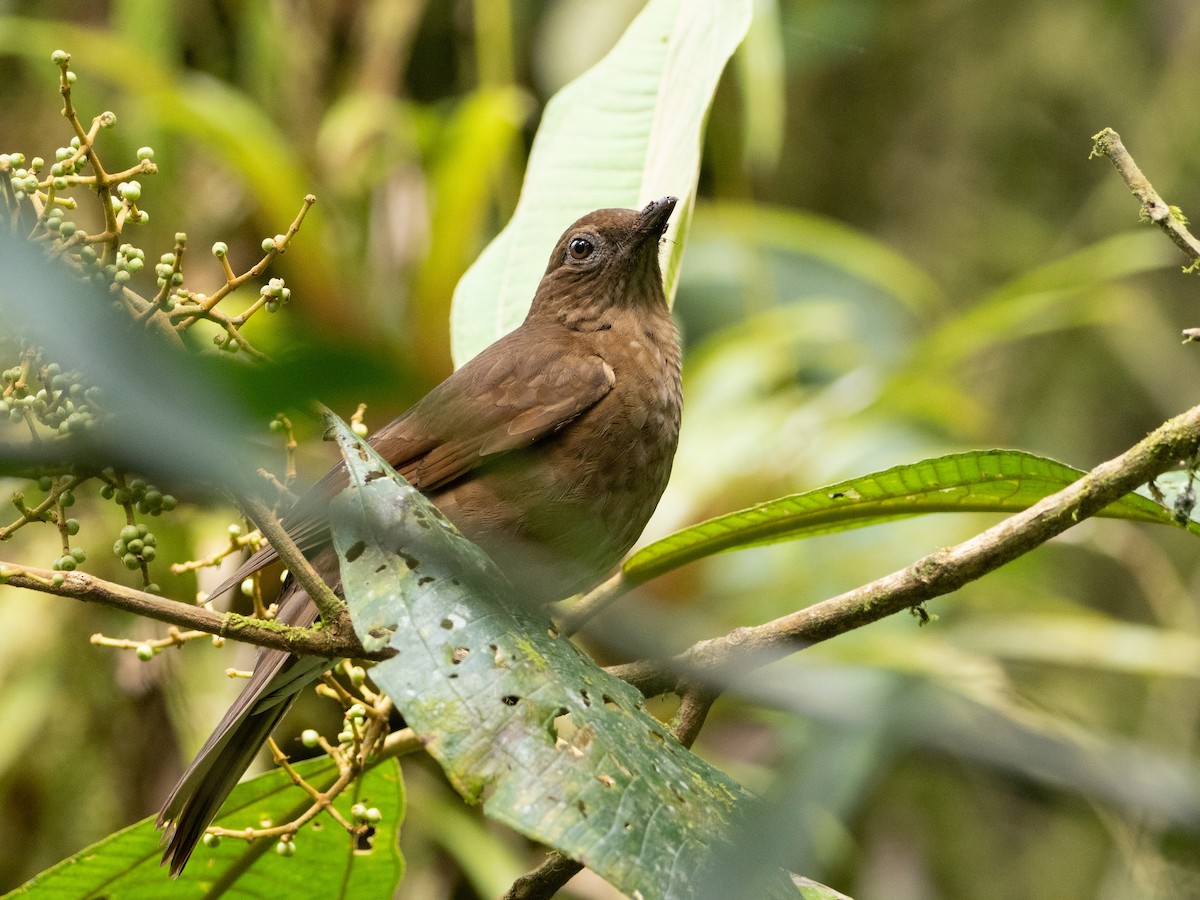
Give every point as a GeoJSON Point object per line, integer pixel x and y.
{"type": "Point", "coordinates": [510, 396]}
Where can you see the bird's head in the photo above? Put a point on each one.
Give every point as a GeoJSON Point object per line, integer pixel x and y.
{"type": "Point", "coordinates": [607, 258]}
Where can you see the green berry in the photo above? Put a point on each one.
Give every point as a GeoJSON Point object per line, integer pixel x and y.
{"type": "Point", "coordinates": [268, 245]}
{"type": "Point", "coordinates": [219, 249]}
{"type": "Point", "coordinates": [359, 812]}
{"type": "Point", "coordinates": [148, 554]}
{"type": "Point", "coordinates": [66, 563]}
{"type": "Point", "coordinates": [130, 561]}
{"type": "Point", "coordinates": [286, 848]}
{"type": "Point", "coordinates": [145, 153]}
{"type": "Point", "coordinates": [79, 554]}
{"type": "Point", "coordinates": [310, 737]}
{"type": "Point", "coordinates": [211, 840]}
{"type": "Point", "coordinates": [145, 652]}
{"type": "Point", "coordinates": [60, 57]}
{"type": "Point", "coordinates": [129, 533]}
{"type": "Point", "coordinates": [72, 526]}
{"type": "Point", "coordinates": [374, 816]}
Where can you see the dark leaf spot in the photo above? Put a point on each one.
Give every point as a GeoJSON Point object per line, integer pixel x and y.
{"type": "Point", "coordinates": [425, 579]}
{"type": "Point", "coordinates": [364, 840]}
{"type": "Point", "coordinates": [447, 624]}
{"type": "Point", "coordinates": [510, 699]}
{"type": "Point", "coordinates": [355, 551]}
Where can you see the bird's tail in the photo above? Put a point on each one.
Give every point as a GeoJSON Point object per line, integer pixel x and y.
{"type": "Point", "coordinates": [208, 780]}
{"type": "Point", "coordinates": [277, 680]}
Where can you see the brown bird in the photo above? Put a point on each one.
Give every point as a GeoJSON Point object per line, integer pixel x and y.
{"type": "Point", "coordinates": [549, 450]}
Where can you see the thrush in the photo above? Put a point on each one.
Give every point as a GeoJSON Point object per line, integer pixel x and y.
{"type": "Point", "coordinates": [550, 450]}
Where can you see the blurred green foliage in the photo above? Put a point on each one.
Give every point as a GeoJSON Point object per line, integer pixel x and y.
{"type": "Point", "coordinates": [900, 250]}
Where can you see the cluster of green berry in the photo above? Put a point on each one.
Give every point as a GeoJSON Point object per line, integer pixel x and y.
{"type": "Point", "coordinates": [68, 162]}
{"type": "Point", "coordinates": [142, 496]}
{"type": "Point", "coordinates": [62, 404]}
{"type": "Point", "coordinates": [68, 561]}
{"type": "Point", "coordinates": [24, 180]}
{"type": "Point", "coordinates": [276, 294]}
{"type": "Point", "coordinates": [135, 546]}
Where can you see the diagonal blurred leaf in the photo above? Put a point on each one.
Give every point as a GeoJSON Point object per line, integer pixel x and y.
{"type": "Point", "coordinates": [625, 132]}
{"type": "Point", "coordinates": [515, 714]}
{"type": "Point", "coordinates": [167, 418]}
{"type": "Point", "coordinates": [1087, 642]}
{"type": "Point", "coordinates": [326, 864]}
{"type": "Point", "coordinates": [975, 481]}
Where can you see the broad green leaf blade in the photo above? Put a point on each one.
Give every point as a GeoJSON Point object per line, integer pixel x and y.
{"type": "Point", "coordinates": [1002, 481]}
{"type": "Point", "coordinates": [326, 863]}
{"type": "Point", "coordinates": [563, 752]}
{"type": "Point", "coordinates": [625, 132]}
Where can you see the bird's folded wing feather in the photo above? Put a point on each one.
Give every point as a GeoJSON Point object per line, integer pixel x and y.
{"type": "Point", "coordinates": [498, 402]}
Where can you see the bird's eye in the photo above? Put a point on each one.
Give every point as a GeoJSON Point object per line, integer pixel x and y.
{"type": "Point", "coordinates": [580, 248]}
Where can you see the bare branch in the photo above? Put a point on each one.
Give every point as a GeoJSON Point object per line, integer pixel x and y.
{"type": "Point", "coordinates": [78, 586]}
{"type": "Point", "coordinates": [1154, 208]}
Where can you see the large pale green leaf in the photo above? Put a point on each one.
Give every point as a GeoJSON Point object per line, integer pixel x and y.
{"type": "Point", "coordinates": [1002, 481]}
{"type": "Point", "coordinates": [517, 717]}
{"type": "Point", "coordinates": [625, 132]}
{"type": "Point", "coordinates": [327, 864]}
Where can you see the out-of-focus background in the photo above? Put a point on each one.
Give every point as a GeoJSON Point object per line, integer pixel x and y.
{"type": "Point", "coordinates": [900, 249]}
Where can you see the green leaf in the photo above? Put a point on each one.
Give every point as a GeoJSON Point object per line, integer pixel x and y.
{"type": "Point", "coordinates": [1002, 481]}
{"type": "Point", "coordinates": [326, 864]}
{"type": "Point", "coordinates": [516, 715]}
{"type": "Point", "coordinates": [625, 132]}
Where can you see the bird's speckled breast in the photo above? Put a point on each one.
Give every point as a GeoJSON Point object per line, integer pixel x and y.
{"type": "Point", "coordinates": [558, 527]}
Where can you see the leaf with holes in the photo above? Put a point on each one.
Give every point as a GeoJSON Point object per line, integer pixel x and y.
{"type": "Point", "coordinates": [517, 716]}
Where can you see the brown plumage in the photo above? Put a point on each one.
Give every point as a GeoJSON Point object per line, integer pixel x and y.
{"type": "Point", "coordinates": [550, 450]}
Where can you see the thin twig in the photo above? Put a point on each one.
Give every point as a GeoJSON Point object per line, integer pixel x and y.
{"type": "Point", "coordinates": [331, 608]}
{"type": "Point", "coordinates": [1168, 218]}
{"type": "Point", "coordinates": [79, 586]}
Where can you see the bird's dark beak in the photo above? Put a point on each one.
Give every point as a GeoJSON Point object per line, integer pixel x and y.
{"type": "Point", "coordinates": [653, 219]}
